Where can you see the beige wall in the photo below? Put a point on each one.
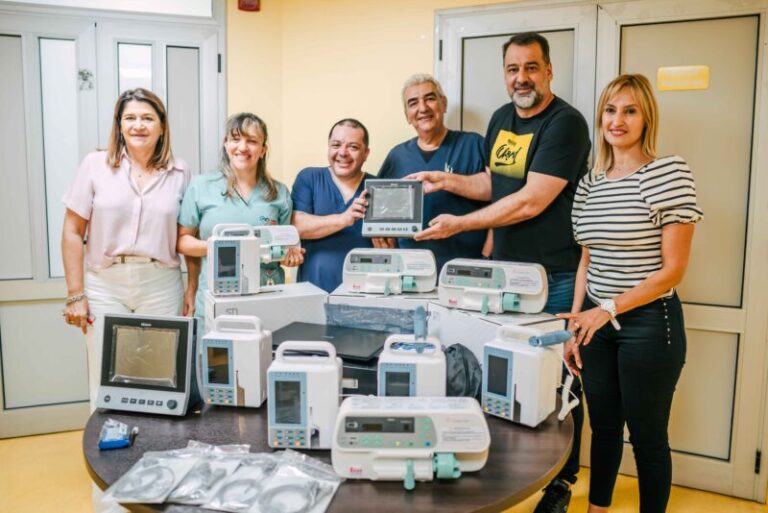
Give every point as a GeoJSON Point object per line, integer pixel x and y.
{"type": "Point", "coordinates": [304, 64]}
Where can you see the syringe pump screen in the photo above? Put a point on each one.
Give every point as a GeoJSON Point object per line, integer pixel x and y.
{"type": "Point", "coordinates": [227, 262]}
{"type": "Point", "coordinates": [144, 356]}
{"type": "Point", "coordinates": [379, 425]}
{"type": "Point", "coordinates": [288, 402]}
{"type": "Point", "coordinates": [398, 384]}
{"type": "Point", "coordinates": [218, 366]}
{"type": "Point", "coordinates": [497, 375]}
{"type": "Point", "coordinates": [394, 203]}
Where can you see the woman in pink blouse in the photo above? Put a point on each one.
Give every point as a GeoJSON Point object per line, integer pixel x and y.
{"type": "Point", "coordinates": [127, 199]}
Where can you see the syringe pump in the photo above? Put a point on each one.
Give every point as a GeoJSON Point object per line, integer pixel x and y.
{"type": "Point", "coordinates": [521, 373]}
{"type": "Point", "coordinates": [304, 384]}
{"type": "Point", "coordinates": [490, 286]}
{"type": "Point", "coordinates": [411, 367]}
{"type": "Point", "coordinates": [237, 251]}
{"type": "Point", "coordinates": [234, 357]}
{"type": "Point", "coordinates": [390, 271]}
{"type": "Point", "coordinates": [409, 438]}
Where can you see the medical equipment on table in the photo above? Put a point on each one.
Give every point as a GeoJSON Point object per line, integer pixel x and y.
{"type": "Point", "coordinates": [148, 364]}
{"type": "Point", "coordinates": [116, 435]}
{"type": "Point", "coordinates": [275, 240]}
{"type": "Point", "coordinates": [389, 271]}
{"type": "Point", "coordinates": [358, 349]}
{"type": "Point", "coordinates": [237, 251]}
{"type": "Point", "coordinates": [409, 438]}
{"type": "Point", "coordinates": [234, 260]}
{"type": "Point", "coordinates": [410, 366]}
{"type": "Point", "coordinates": [493, 286]}
{"type": "Point", "coordinates": [395, 208]}
{"type": "Point", "coordinates": [303, 395]}
{"type": "Point", "coordinates": [521, 374]}
{"type": "Point", "coordinates": [151, 479]}
{"type": "Point", "coordinates": [234, 357]}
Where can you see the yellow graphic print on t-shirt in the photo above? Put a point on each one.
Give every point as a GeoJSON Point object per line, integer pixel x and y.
{"type": "Point", "coordinates": [509, 154]}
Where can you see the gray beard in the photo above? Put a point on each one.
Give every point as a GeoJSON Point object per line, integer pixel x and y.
{"type": "Point", "coordinates": [526, 101]}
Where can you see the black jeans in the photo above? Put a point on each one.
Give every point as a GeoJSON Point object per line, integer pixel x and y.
{"type": "Point", "coordinates": [629, 377]}
{"type": "Point", "coordinates": [560, 298]}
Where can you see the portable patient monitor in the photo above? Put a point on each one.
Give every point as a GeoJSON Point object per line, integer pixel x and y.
{"type": "Point", "coordinates": [236, 252]}
{"type": "Point", "coordinates": [148, 364]}
{"type": "Point", "coordinates": [519, 380]}
{"type": "Point", "coordinates": [493, 286]}
{"type": "Point", "coordinates": [390, 271]}
{"type": "Point", "coordinates": [234, 357]}
{"type": "Point", "coordinates": [303, 397]}
{"type": "Point", "coordinates": [409, 438]}
{"type": "Point", "coordinates": [395, 208]}
{"type": "Point", "coordinates": [411, 367]}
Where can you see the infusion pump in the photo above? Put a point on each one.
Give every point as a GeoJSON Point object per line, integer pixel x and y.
{"type": "Point", "coordinates": [520, 380]}
{"type": "Point", "coordinates": [236, 252]}
{"type": "Point", "coordinates": [390, 271]}
{"type": "Point", "coordinates": [409, 438]}
{"type": "Point", "coordinates": [411, 367]}
{"type": "Point", "coordinates": [491, 286]}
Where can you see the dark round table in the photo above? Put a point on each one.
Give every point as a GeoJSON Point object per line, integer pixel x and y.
{"type": "Point", "coordinates": [522, 460]}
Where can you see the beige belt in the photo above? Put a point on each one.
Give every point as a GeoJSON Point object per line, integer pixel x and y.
{"type": "Point", "coordinates": [133, 259]}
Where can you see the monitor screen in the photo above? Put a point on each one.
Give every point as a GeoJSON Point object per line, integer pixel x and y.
{"type": "Point", "coordinates": [144, 356]}
{"type": "Point", "coordinates": [227, 262]}
{"type": "Point", "coordinates": [218, 366]}
{"type": "Point", "coordinates": [397, 384]}
{"type": "Point", "coordinates": [287, 402]}
{"type": "Point", "coordinates": [497, 375]}
{"type": "Point", "coordinates": [392, 203]}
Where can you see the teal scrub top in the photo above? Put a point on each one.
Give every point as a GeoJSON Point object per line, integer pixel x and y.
{"type": "Point", "coordinates": [205, 205]}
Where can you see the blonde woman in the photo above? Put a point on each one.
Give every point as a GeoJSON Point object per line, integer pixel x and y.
{"type": "Point", "coordinates": [127, 199]}
{"type": "Point", "coordinates": [634, 216]}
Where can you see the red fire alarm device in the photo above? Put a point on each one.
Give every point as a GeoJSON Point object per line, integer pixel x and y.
{"type": "Point", "coordinates": [249, 5]}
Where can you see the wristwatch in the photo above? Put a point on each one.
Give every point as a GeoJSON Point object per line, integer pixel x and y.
{"type": "Point", "coordinates": [609, 305]}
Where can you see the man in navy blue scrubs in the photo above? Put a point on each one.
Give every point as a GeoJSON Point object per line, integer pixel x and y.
{"type": "Point", "coordinates": [435, 148]}
{"type": "Point", "coordinates": [329, 205]}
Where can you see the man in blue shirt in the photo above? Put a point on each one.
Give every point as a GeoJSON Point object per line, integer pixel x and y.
{"type": "Point", "coordinates": [329, 205]}
{"type": "Point", "coordinates": [435, 148]}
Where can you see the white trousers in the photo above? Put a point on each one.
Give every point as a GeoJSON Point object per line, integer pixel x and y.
{"type": "Point", "coordinates": [126, 288]}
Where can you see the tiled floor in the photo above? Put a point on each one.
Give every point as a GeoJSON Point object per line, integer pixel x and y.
{"type": "Point", "coordinates": [46, 474]}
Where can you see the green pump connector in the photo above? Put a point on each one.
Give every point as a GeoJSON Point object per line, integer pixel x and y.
{"type": "Point", "coordinates": [277, 253]}
{"type": "Point", "coordinates": [387, 290]}
{"type": "Point", "coordinates": [408, 283]}
{"type": "Point", "coordinates": [484, 305]}
{"type": "Point", "coordinates": [510, 302]}
{"type": "Point", "coordinates": [446, 465]}
{"type": "Point", "coordinates": [409, 483]}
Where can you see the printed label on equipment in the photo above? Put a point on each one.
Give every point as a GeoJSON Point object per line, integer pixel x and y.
{"type": "Point", "coordinates": [525, 280]}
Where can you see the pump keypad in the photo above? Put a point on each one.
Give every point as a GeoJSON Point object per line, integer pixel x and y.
{"type": "Point", "coordinates": [288, 438]}
{"type": "Point", "coordinates": [220, 395]}
{"type": "Point", "coordinates": [498, 407]}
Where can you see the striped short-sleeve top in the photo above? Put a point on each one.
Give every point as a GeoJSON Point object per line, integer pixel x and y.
{"type": "Point", "coordinates": [620, 221]}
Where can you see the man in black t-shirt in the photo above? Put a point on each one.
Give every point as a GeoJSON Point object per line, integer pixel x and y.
{"type": "Point", "coordinates": [536, 151]}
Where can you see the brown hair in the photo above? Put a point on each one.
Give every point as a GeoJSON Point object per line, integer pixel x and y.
{"type": "Point", "coordinates": [641, 89]}
{"type": "Point", "coordinates": [237, 125]}
{"type": "Point", "coordinates": [162, 155]}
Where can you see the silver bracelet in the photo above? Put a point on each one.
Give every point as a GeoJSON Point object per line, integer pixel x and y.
{"type": "Point", "coordinates": [75, 298]}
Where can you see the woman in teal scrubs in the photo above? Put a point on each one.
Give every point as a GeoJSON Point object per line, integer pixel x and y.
{"type": "Point", "coordinates": [240, 191]}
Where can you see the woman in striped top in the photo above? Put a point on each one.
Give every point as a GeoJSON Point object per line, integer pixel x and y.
{"type": "Point", "coordinates": [633, 215]}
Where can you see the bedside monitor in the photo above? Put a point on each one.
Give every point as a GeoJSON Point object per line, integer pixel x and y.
{"type": "Point", "coordinates": [395, 208]}
{"type": "Point", "coordinates": [148, 364]}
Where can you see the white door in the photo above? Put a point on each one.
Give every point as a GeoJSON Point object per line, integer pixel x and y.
{"type": "Point", "coordinates": [48, 124]}
{"type": "Point", "coordinates": [181, 65]}
{"type": "Point", "coordinates": [59, 79]}
{"type": "Point", "coordinates": [719, 413]}
{"type": "Point", "coordinates": [709, 91]}
{"type": "Point", "coordinates": [469, 61]}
